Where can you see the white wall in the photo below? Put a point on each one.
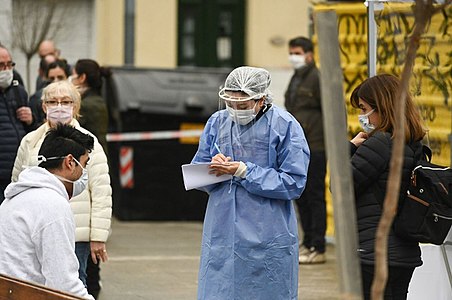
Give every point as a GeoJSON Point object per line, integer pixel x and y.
{"type": "Point", "coordinates": [280, 81]}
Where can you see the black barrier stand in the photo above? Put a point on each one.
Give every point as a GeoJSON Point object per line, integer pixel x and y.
{"type": "Point", "coordinates": [155, 100]}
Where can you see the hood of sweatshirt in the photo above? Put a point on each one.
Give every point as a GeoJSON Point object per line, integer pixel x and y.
{"type": "Point", "coordinates": [35, 177]}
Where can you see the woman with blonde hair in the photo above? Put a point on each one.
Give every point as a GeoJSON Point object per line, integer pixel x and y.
{"type": "Point", "coordinates": [92, 204]}
{"type": "Point", "coordinates": [376, 98]}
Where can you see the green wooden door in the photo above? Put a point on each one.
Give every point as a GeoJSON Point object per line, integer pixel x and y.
{"type": "Point", "coordinates": [211, 33]}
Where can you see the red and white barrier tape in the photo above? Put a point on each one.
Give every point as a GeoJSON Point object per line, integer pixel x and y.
{"type": "Point", "coordinates": [152, 135]}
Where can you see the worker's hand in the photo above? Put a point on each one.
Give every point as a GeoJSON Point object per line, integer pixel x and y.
{"type": "Point", "coordinates": [359, 138]}
{"type": "Point", "coordinates": [98, 251]}
{"type": "Point", "coordinates": [24, 114]}
{"type": "Point", "coordinates": [229, 167]}
{"type": "Point", "coordinates": [220, 159]}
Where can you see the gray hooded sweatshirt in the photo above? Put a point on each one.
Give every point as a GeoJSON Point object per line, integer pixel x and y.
{"type": "Point", "coordinates": [37, 233]}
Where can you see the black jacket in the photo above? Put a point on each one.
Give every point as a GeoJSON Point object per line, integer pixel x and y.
{"type": "Point", "coordinates": [302, 100]}
{"type": "Point", "coordinates": [370, 165]}
{"type": "Point", "coordinates": [11, 129]}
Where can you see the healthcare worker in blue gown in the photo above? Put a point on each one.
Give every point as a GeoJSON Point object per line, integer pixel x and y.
{"type": "Point", "coordinates": [250, 237]}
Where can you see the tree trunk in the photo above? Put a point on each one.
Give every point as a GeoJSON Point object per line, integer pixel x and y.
{"type": "Point", "coordinates": [28, 86]}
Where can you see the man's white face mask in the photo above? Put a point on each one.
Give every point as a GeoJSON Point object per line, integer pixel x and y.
{"type": "Point", "coordinates": [297, 60]}
{"type": "Point", "coordinates": [6, 77]}
{"type": "Point", "coordinates": [79, 185]}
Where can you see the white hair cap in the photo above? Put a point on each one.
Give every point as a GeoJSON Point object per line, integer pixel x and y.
{"type": "Point", "coordinates": [252, 81]}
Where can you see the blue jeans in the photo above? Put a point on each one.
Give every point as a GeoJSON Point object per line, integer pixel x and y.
{"type": "Point", "coordinates": [82, 251]}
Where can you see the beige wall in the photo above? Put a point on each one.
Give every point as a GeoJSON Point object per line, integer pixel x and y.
{"type": "Point", "coordinates": [109, 36]}
{"type": "Point", "coordinates": [277, 21]}
{"type": "Point", "coordinates": [156, 33]}
{"type": "Point", "coordinates": [269, 26]}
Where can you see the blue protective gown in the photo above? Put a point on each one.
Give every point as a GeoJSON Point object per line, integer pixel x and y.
{"type": "Point", "coordinates": [250, 235]}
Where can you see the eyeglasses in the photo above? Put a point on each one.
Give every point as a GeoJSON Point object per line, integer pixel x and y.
{"type": "Point", "coordinates": [6, 66]}
{"type": "Point", "coordinates": [62, 102]}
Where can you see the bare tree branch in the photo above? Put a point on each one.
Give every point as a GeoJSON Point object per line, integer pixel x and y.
{"type": "Point", "coordinates": [34, 21]}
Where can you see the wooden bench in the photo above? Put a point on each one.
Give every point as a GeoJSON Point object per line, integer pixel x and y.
{"type": "Point", "coordinates": [17, 289]}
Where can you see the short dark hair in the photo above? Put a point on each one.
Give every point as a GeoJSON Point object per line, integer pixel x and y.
{"type": "Point", "coordinates": [62, 141]}
{"type": "Point", "coordinates": [59, 63]}
{"type": "Point", "coordinates": [302, 42]}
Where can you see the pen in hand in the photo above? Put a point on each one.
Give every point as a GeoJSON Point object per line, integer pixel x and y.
{"type": "Point", "coordinates": [224, 160]}
{"type": "Point", "coordinates": [218, 148]}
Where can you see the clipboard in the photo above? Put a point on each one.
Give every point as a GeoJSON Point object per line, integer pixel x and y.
{"type": "Point", "coordinates": [197, 175]}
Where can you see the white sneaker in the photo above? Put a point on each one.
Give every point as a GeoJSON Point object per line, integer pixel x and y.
{"type": "Point", "coordinates": [303, 250]}
{"type": "Point", "coordinates": [313, 257]}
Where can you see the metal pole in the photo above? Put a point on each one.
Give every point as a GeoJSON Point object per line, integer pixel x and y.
{"type": "Point", "coordinates": [338, 149]}
{"type": "Point", "coordinates": [129, 39]}
{"type": "Point", "coordinates": [371, 40]}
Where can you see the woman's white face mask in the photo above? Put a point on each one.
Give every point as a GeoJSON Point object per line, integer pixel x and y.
{"type": "Point", "coordinates": [242, 116]}
{"type": "Point", "coordinates": [60, 114]}
{"type": "Point", "coordinates": [365, 122]}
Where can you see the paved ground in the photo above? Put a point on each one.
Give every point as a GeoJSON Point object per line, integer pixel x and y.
{"type": "Point", "coordinates": [159, 261]}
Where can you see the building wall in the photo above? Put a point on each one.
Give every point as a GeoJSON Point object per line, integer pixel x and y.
{"type": "Point", "coordinates": [109, 32]}
{"type": "Point", "coordinates": [95, 30]}
{"type": "Point", "coordinates": [156, 33]}
{"type": "Point", "coordinates": [269, 26]}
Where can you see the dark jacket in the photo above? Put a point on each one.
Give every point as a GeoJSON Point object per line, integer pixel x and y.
{"type": "Point", "coordinates": [94, 116]}
{"type": "Point", "coordinates": [11, 129]}
{"type": "Point", "coordinates": [370, 165]}
{"type": "Point", "coordinates": [35, 103]}
{"type": "Point", "coordinates": [302, 100]}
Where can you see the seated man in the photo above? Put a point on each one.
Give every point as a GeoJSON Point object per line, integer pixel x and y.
{"type": "Point", "coordinates": [37, 230]}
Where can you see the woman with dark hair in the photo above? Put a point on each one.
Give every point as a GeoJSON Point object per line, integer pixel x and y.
{"type": "Point", "coordinates": [58, 70]}
{"type": "Point", "coordinates": [376, 98]}
{"type": "Point", "coordinates": [87, 76]}
{"type": "Point", "coordinates": [55, 71]}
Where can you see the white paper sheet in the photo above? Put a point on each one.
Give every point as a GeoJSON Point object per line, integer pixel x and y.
{"type": "Point", "coordinates": [197, 175]}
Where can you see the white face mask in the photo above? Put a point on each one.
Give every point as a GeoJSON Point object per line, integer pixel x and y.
{"type": "Point", "coordinates": [6, 77]}
{"type": "Point", "coordinates": [297, 61]}
{"type": "Point", "coordinates": [60, 114]}
{"type": "Point", "coordinates": [81, 89]}
{"type": "Point", "coordinates": [242, 116]}
{"type": "Point", "coordinates": [365, 122]}
{"type": "Point", "coordinates": [79, 185]}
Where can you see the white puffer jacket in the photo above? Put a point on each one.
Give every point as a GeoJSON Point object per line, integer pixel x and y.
{"type": "Point", "coordinates": [92, 208]}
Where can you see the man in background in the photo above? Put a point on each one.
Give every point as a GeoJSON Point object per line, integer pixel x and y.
{"type": "Point", "coordinates": [302, 99]}
{"type": "Point", "coordinates": [47, 47]}
{"type": "Point", "coordinates": [48, 53]}
{"type": "Point", "coordinates": [16, 118]}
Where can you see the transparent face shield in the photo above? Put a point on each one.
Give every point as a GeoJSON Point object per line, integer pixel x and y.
{"type": "Point", "coordinates": [240, 101]}
{"type": "Point", "coordinates": [236, 130]}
